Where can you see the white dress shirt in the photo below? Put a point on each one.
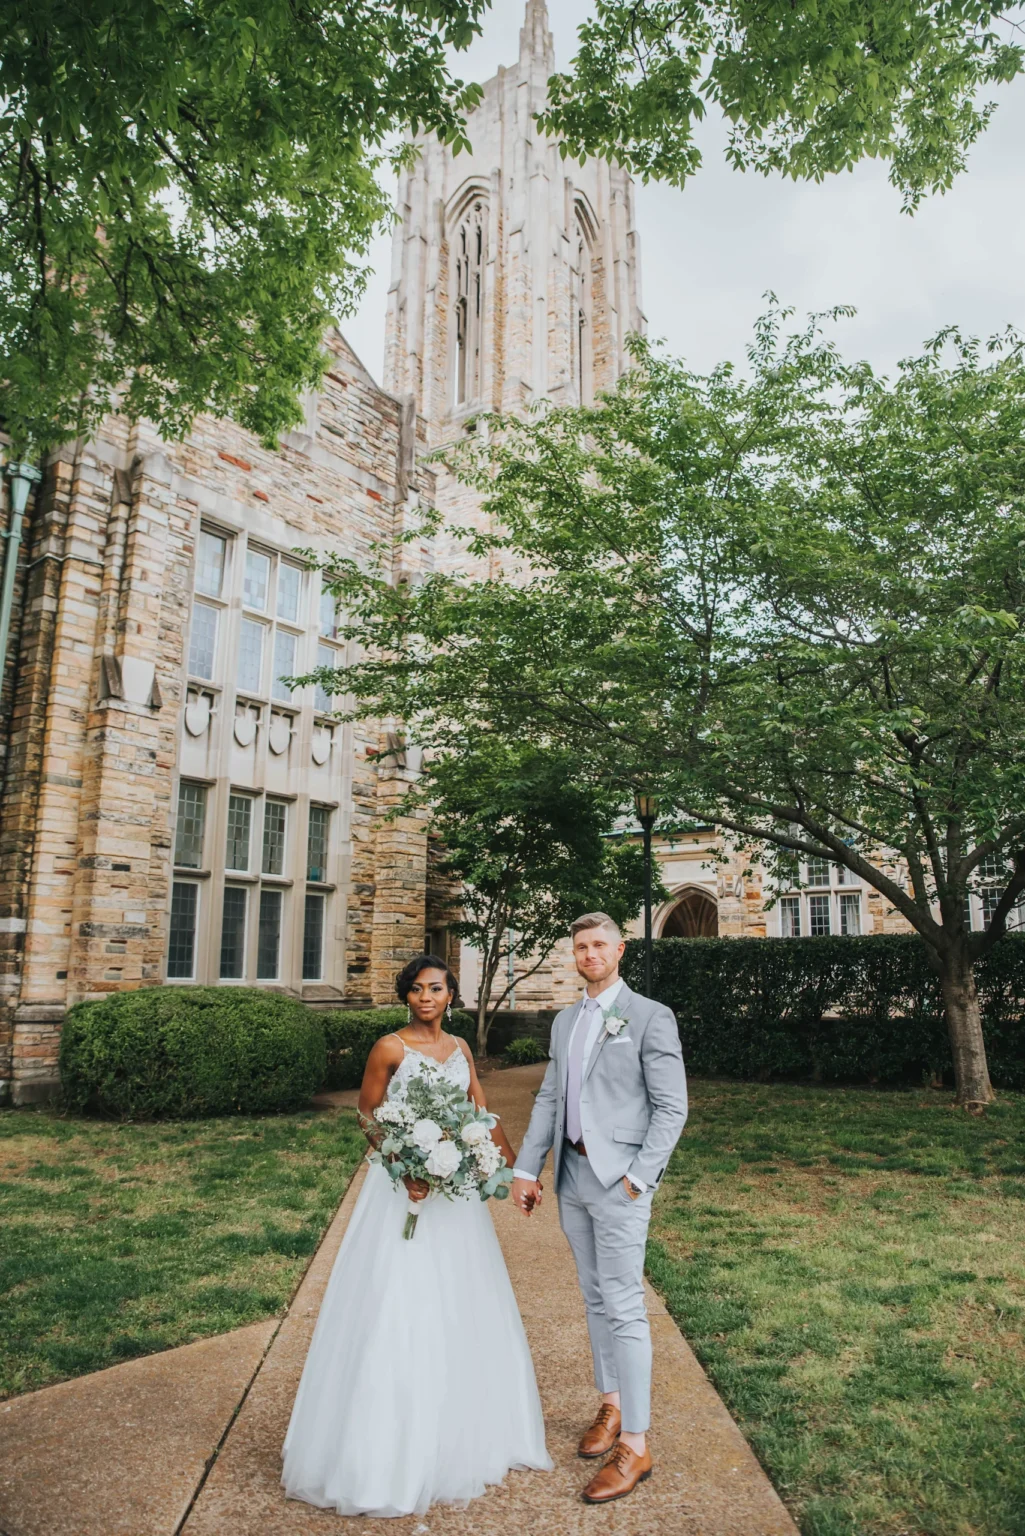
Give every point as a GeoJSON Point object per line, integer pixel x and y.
{"type": "Point", "coordinates": [597, 1019]}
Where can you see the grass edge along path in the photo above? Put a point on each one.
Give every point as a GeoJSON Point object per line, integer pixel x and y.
{"type": "Point", "coordinates": [124, 1239]}
{"type": "Point", "coordinates": [847, 1264]}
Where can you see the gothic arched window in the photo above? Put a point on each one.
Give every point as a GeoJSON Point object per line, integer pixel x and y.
{"type": "Point", "coordinates": [470, 257]}
{"type": "Point", "coordinates": [581, 345]}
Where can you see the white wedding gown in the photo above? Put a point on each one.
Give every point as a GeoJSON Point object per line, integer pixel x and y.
{"type": "Point", "coordinates": [419, 1387]}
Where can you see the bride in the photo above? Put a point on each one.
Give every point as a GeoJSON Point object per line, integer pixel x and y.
{"type": "Point", "coordinates": [419, 1386]}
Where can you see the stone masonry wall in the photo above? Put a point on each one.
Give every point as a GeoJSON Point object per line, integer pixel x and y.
{"type": "Point", "coordinates": [94, 697]}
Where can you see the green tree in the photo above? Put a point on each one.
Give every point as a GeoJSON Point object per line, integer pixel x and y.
{"type": "Point", "coordinates": [186, 190]}
{"type": "Point", "coordinates": [810, 88]}
{"type": "Point", "coordinates": [791, 603]}
{"type": "Point", "coordinates": [528, 843]}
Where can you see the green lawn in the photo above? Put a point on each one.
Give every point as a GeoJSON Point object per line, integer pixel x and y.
{"type": "Point", "coordinates": [849, 1266]}
{"type": "Point", "coordinates": [118, 1240]}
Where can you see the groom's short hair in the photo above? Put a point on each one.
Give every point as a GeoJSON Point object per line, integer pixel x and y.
{"type": "Point", "coordinates": [594, 920]}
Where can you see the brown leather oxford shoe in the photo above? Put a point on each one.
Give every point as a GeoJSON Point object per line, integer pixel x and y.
{"type": "Point", "coordinates": [603, 1433]}
{"type": "Point", "coordinates": [619, 1476]}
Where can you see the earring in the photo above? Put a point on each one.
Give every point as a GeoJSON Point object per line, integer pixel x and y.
{"type": "Point", "coordinates": [409, 1014]}
{"type": "Point", "coordinates": [448, 1013]}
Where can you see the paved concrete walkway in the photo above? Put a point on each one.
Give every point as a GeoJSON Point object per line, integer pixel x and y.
{"type": "Point", "coordinates": [188, 1443]}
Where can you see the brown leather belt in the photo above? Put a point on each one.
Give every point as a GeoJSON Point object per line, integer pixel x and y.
{"type": "Point", "coordinates": [577, 1146]}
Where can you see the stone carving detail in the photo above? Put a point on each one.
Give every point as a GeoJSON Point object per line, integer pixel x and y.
{"type": "Point", "coordinates": [280, 734]}
{"type": "Point", "coordinates": [323, 741]}
{"type": "Point", "coordinates": [198, 712]}
{"type": "Point", "coordinates": [247, 722]}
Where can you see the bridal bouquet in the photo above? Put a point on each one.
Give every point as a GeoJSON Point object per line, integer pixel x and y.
{"type": "Point", "coordinates": [434, 1133]}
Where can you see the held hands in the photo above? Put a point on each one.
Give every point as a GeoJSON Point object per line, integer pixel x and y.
{"type": "Point", "coordinates": [416, 1189]}
{"type": "Point", "coordinates": [526, 1194]}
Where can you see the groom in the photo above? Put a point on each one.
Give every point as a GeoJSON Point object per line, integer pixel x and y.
{"type": "Point", "coordinates": [612, 1104]}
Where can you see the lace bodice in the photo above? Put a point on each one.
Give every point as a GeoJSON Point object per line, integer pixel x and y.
{"type": "Point", "coordinates": [454, 1069]}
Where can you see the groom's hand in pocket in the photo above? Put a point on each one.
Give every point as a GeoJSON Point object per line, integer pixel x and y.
{"type": "Point", "coordinates": [526, 1194]}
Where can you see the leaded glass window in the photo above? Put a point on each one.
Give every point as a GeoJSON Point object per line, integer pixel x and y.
{"type": "Point", "coordinates": [190, 824]}
{"type": "Point", "coordinates": [210, 557]}
{"type": "Point", "coordinates": [313, 938]}
{"type": "Point", "coordinates": [257, 580]}
{"type": "Point", "coordinates": [317, 843]}
{"type": "Point", "coordinates": [328, 614]}
{"type": "Point", "coordinates": [240, 823]}
{"type": "Point", "coordinates": [181, 948]}
{"type": "Point", "coordinates": [326, 657]}
{"type": "Point", "coordinates": [250, 655]}
{"type": "Point", "coordinates": [203, 641]}
{"type": "Point", "coordinates": [275, 813]}
{"type": "Point", "coordinates": [850, 913]}
{"type": "Point", "coordinates": [284, 664]}
{"type": "Point", "coordinates": [268, 941]}
{"type": "Point", "coordinates": [580, 316]}
{"type": "Point", "coordinates": [470, 246]}
{"type": "Point", "coordinates": [233, 933]}
{"type": "Point", "coordinates": [289, 587]}
{"type": "Point", "coordinates": [818, 871]}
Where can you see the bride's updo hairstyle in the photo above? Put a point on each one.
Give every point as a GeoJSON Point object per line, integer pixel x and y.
{"type": "Point", "coordinates": [408, 974]}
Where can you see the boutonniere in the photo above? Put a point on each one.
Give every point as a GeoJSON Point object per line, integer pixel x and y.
{"type": "Point", "coordinates": [614, 1021]}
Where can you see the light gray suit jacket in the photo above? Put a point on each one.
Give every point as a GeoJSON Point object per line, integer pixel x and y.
{"type": "Point", "coordinates": [633, 1099]}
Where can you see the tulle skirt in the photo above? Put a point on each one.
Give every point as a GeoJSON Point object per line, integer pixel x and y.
{"type": "Point", "coordinates": [419, 1387]}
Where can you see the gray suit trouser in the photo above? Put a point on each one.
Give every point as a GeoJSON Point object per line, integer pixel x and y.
{"type": "Point", "coordinates": [607, 1232]}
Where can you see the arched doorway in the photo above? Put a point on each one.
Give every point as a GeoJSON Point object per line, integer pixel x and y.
{"type": "Point", "coordinates": [695, 916]}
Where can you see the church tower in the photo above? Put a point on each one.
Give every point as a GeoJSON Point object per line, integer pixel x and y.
{"type": "Point", "coordinates": [515, 273]}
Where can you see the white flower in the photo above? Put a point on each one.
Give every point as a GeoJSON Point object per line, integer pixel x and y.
{"type": "Point", "coordinates": [425, 1134]}
{"type": "Point", "coordinates": [488, 1157]}
{"type": "Point", "coordinates": [474, 1133]}
{"type": "Point", "coordinates": [614, 1022]}
{"type": "Point", "coordinates": [444, 1159]}
{"type": "Point", "coordinates": [391, 1113]}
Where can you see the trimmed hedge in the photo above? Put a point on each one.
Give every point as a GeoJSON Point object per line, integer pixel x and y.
{"type": "Point", "coordinates": [181, 1052]}
{"type": "Point", "coordinates": [756, 1008]}
{"type": "Point", "coordinates": [352, 1033]}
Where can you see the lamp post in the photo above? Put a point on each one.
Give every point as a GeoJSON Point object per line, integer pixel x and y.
{"type": "Point", "coordinates": [22, 478]}
{"type": "Point", "coordinates": [647, 813]}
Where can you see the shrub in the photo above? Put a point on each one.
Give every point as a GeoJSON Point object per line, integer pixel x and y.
{"type": "Point", "coordinates": [832, 1008]}
{"type": "Point", "coordinates": [352, 1033]}
{"type": "Point", "coordinates": [525, 1051]}
{"type": "Point", "coordinates": [190, 1051]}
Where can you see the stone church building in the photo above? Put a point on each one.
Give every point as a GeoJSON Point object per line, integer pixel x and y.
{"type": "Point", "coordinates": [170, 811]}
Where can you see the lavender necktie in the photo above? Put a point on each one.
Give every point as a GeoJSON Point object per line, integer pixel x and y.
{"type": "Point", "coordinates": [575, 1075]}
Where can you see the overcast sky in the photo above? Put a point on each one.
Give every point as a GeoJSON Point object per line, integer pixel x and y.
{"type": "Point", "coordinates": [709, 252]}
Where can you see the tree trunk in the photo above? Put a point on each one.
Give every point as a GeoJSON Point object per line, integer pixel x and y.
{"type": "Point", "coordinates": [487, 982]}
{"type": "Point", "coordinates": [483, 1029]}
{"type": "Point", "coordinates": [964, 1024]}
